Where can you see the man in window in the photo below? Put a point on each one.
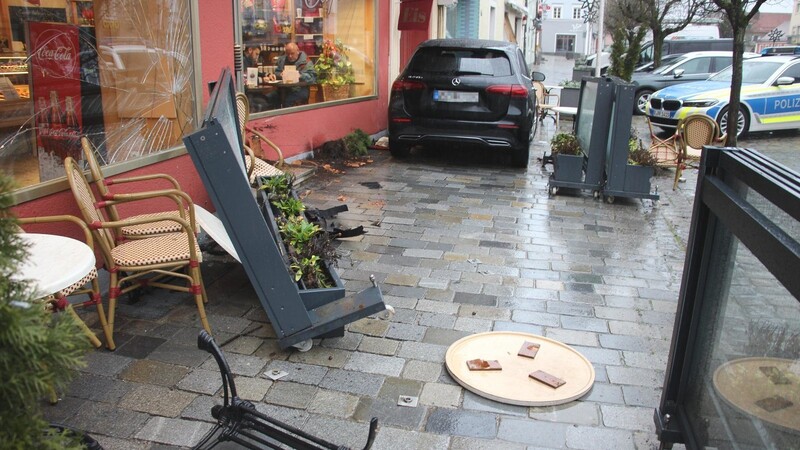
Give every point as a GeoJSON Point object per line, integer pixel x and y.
{"type": "Point", "coordinates": [295, 95]}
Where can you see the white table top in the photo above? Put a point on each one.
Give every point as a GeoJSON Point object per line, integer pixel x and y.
{"type": "Point", "coordinates": [215, 228]}
{"type": "Point", "coordinates": [570, 111]}
{"type": "Point", "coordinates": [54, 262]}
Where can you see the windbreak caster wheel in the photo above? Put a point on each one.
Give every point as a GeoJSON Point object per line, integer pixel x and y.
{"type": "Point", "coordinates": [553, 190]}
{"type": "Point", "coordinates": [596, 194]}
{"type": "Point", "coordinates": [610, 199]}
{"type": "Point", "coordinates": [388, 313]}
{"type": "Point", "coordinates": [303, 346]}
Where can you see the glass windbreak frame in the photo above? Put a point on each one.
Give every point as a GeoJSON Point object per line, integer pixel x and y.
{"type": "Point", "coordinates": [134, 113]}
{"type": "Point", "coordinates": [738, 310]}
{"type": "Point", "coordinates": [338, 38]}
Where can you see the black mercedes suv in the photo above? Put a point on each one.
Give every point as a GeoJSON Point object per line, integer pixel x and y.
{"type": "Point", "coordinates": [464, 91]}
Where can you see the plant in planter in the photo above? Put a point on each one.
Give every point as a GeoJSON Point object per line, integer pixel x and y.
{"type": "Point", "coordinates": [39, 351]}
{"type": "Point", "coordinates": [567, 157]}
{"type": "Point", "coordinates": [335, 72]}
{"type": "Point", "coordinates": [570, 93]}
{"type": "Point", "coordinates": [641, 166]}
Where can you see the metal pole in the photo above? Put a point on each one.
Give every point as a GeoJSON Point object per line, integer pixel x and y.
{"type": "Point", "coordinates": [237, 47]}
{"type": "Point", "coordinates": [599, 50]}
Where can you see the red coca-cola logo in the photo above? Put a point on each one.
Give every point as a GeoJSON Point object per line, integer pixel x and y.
{"type": "Point", "coordinates": [56, 54]}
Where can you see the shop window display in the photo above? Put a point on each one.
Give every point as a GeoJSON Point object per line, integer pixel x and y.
{"type": "Point", "coordinates": [118, 71]}
{"type": "Point", "coordinates": [309, 27]}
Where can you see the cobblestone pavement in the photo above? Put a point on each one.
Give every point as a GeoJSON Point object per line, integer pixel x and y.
{"type": "Point", "coordinates": [461, 243]}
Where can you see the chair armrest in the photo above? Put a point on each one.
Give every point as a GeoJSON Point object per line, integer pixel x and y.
{"type": "Point", "coordinates": [87, 235]}
{"type": "Point", "coordinates": [168, 178]}
{"type": "Point", "coordinates": [185, 225]}
{"type": "Point", "coordinates": [263, 138]}
{"type": "Point", "coordinates": [181, 199]}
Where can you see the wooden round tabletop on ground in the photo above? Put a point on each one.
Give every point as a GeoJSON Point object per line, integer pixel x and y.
{"type": "Point", "coordinates": [512, 384]}
{"type": "Point", "coordinates": [763, 387]}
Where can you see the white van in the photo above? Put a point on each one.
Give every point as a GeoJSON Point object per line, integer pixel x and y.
{"type": "Point", "coordinates": [670, 46]}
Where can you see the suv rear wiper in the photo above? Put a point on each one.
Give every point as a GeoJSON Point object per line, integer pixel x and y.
{"type": "Point", "coordinates": [467, 72]}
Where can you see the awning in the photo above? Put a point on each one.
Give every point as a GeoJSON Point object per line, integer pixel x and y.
{"type": "Point", "coordinates": [517, 7]}
{"type": "Point", "coordinates": [414, 15]}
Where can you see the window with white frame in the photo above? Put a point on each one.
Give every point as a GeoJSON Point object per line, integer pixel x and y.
{"type": "Point", "coordinates": [576, 12]}
{"type": "Point", "coordinates": [556, 12]}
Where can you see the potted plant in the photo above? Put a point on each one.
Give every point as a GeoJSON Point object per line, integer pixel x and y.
{"type": "Point", "coordinates": [570, 93]}
{"type": "Point", "coordinates": [581, 70]}
{"type": "Point", "coordinates": [567, 158]}
{"type": "Point", "coordinates": [334, 70]}
{"type": "Point", "coordinates": [641, 166]}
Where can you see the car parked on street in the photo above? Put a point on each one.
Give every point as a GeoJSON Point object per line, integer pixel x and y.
{"type": "Point", "coordinates": [693, 66]}
{"type": "Point", "coordinates": [770, 97]}
{"type": "Point", "coordinates": [464, 91]}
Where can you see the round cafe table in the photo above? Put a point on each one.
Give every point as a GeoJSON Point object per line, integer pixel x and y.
{"type": "Point", "coordinates": [56, 263]}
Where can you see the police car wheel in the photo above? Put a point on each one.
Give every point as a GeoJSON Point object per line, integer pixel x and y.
{"type": "Point", "coordinates": [642, 97]}
{"type": "Point", "coordinates": [743, 122]}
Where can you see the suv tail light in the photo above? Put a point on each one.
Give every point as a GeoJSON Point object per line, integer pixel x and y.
{"type": "Point", "coordinates": [407, 85]}
{"type": "Point", "coordinates": [511, 90]}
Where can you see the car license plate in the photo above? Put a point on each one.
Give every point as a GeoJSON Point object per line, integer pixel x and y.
{"type": "Point", "coordinates": [660, 113]}
{"type": "Point", "coordinates": [455, 96]}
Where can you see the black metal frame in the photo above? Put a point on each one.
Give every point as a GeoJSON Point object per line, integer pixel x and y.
{"type": "Point", "coordinates": [724, 174]}
{"type": "Point", "coordinates": [238, 420]}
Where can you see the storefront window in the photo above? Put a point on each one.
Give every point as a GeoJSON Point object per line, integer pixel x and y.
{"type": "Point", "coordinates": [307, 52]}
{"type": "Point", "coordinates": [118, 71]}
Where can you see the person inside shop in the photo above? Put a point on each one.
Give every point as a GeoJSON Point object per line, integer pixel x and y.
{"type": "Point", "coordinates": [251, 58]}
{"type": "Point", "coordinates": [295, 95]}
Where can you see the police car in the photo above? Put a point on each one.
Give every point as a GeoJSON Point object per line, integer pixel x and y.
{"type": "Point", "coordinates": [770, 97]}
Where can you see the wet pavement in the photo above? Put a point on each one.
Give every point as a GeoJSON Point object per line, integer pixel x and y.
{"type": "Point", "coordinates": [461, 243]}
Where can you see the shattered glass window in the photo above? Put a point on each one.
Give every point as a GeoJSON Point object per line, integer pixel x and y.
{"type": "Point", "coordinates": [117, 71]}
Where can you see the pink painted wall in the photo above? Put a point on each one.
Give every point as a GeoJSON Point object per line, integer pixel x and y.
{"type": "Point", "coordinates": [294, 133]}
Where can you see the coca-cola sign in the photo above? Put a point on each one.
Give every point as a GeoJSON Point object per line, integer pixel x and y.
{"type": "Point", "coordinates": [55, 54]}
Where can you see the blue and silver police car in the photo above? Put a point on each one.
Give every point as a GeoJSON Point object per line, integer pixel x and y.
{"type": "Point", "coordinates": [770, 97]}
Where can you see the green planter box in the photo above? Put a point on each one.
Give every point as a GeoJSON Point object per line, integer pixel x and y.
{"type": "Point", "coordinates": [570, 97]}
{"type": "Point", "coordinates": [637, 179]}
{"type": "Point", "coordinates": [568, 168]}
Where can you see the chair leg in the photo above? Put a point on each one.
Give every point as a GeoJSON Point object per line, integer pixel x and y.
{"type": "Point", "coordinates": [199, 295]}
{"type": "Point", "coordinates": [678, 173]}
{"type": "Point", "coordinates": [98, 301]}
{"type": "Point", "coordinates": [96, 342]}
{"type": "Point", "coordinates": [113, 293]}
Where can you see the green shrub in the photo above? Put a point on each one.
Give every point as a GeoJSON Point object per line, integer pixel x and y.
{"type": "Point", "coordinates": [357, 143]}
{"type": "Point", "coordinates": [565, 144]}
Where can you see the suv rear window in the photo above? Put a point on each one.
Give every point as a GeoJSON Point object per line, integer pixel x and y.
{"type": "Point", "coordinates": [460, 62]}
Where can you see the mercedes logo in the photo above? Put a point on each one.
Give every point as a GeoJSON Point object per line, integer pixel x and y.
{"type": "Point", "coordinates": [456, 81]}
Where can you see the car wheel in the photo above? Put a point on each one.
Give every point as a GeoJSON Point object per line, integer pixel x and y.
{"type": "Point", "coordinates": [521, 155]}
{"type": "Point", "coordinates": [742, 122]}
{"type": "Point", "coordinates": [642, 97]}
{"type": "Point", "coordinates": [398, 149]}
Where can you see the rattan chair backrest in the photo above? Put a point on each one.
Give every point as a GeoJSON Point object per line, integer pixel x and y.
{"type": "Point", "coordinates": [242, 112]}
{"type": "Point", "coordinates": [90, 156]}
{"type": "Point", "coordinates": [698, 130]}
{"type": "Point", "coordinates": [85, 199]}
{"type": "Point", "coordinates": [540, 91]}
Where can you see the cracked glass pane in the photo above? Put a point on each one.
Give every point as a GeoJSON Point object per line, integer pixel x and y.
{"type": "Point", "coordinates": [118, 71]}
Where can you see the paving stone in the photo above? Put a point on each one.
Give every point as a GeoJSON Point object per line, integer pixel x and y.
{"type": "Point", "coordinates": [395, 439]}
{"type": "Point", "coordinates": [201, 381]}
{"type": "Point", "coordinates": [583, 437]}
{"type": "Point", "coordinates": [422, 370]}
{"type": "Point", "coordinates": [353, 382]}
{"type": "Point", "coordinates": [648, 396]}
{"type": "Point", "coordinates": [632, 418]}
{"type": "Point", "coordinates": [444, 337]}
{"type": "Point", "coordinates": [338, 431]}
{"type": "Point", "coordinates": [473, 325]}
{"type": "Point", "coordinates": [433, 283]}
{"type": "Point", "coordinates": [333, 403]}
{"type": "Point", "coordinates": [156, 400]}
{"type": "Point", "coordinates": [246, 345]}
{"type": "Point", "coordinates": [185, 433]}
{"type": "Point", "coordinates": [292, 395]}
{"type": "Point", "coordinates": [139, 347]}
{"type": "Point", "coordinates": [200, 408]}
{"type": "Point", "coordinates": [389, 413]}
{"type": "Point", "coordinates": [536, 318]}
{"type": "Point", "coordinates": [478, 403]}
{"type": "Point", "coordinates": [422, 351]}
{"type": "Point", "coordinates": [579, 413]}
{"type": "Point", "coordinates": [462, 423]}
{"type": "Point", "coordinates": [377, 364]}
{"type": "Point", "coordinates": [102, 418]}
{"type": "Point", "coordinates": [393, 388]}
{"type": "Point", "coordinates": [246, 365]}
{"type": "Point", "coordinates": [377, 345]}
{"type": "Point", "coordinates": [270, 350]}
{"type": "Point", "coordinates": [439, 307]}
{"type": "Point", "coordinates": [518, 327]}
{"type": "Point", "coordinates": [635, 376]}
{"type": "Point", "coordinates": [475, 299]}
{"type": "Point", "coordinates": [463, 443]}
{"type": "Point", "coordinates": [350, 341]}
{"type": "Point", "coordinates": [297, 372]}
{"type": "Point", "coordinates": [401, 279]}
{"type": "Point", "coordinates": [112, 443]}
{"type": "Point", "coordinates": [406, 316]}
{"type": "Point", "coordinates": [290, 416]}
{"type": "Point", "coordinates": [252, 389]}
{"type": "Point", "coordinates": [175, 353]}
{"type": "Point", "coordinates": [572, 337]}
{"type": "Point", "coordinates": [484, 312]}
{"type": "Point", "coordinates": [371, 327]}
{"type": "Point", "coordinates": [436, 320]}
{"type": "Point", "coordinates": [63, 410]}
{"type": "Point", "coordinates": [442, 395]}
{"type": "Point", "coordinates": [405, 332]}
{"type": "Point", "coordinates": [97, 388]}
{"type": "Point", "coordinates": [544, 434]}
{"type": "Point", "coordinates": [584, 324]}
{"type": "Point", "coordinates": [105, 363]}
{"type": "Point", "coordinates": [321, 356]}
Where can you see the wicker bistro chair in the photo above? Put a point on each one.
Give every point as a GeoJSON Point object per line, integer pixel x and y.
{"type": "Point", "coordinates": [667, 151]}
{"type": "Point", "coordinates": [184, 206]}
{"type": "Point", "coordinates": [256, 167]}
{"type": "Point", "coordinates": [88, 284]}
{"type": "Point", "coordinates": [544, 105]}
{"type": "Point", "coordinates": [695, 131]}
{"type": "Point", "coordinates": [141, 262]}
